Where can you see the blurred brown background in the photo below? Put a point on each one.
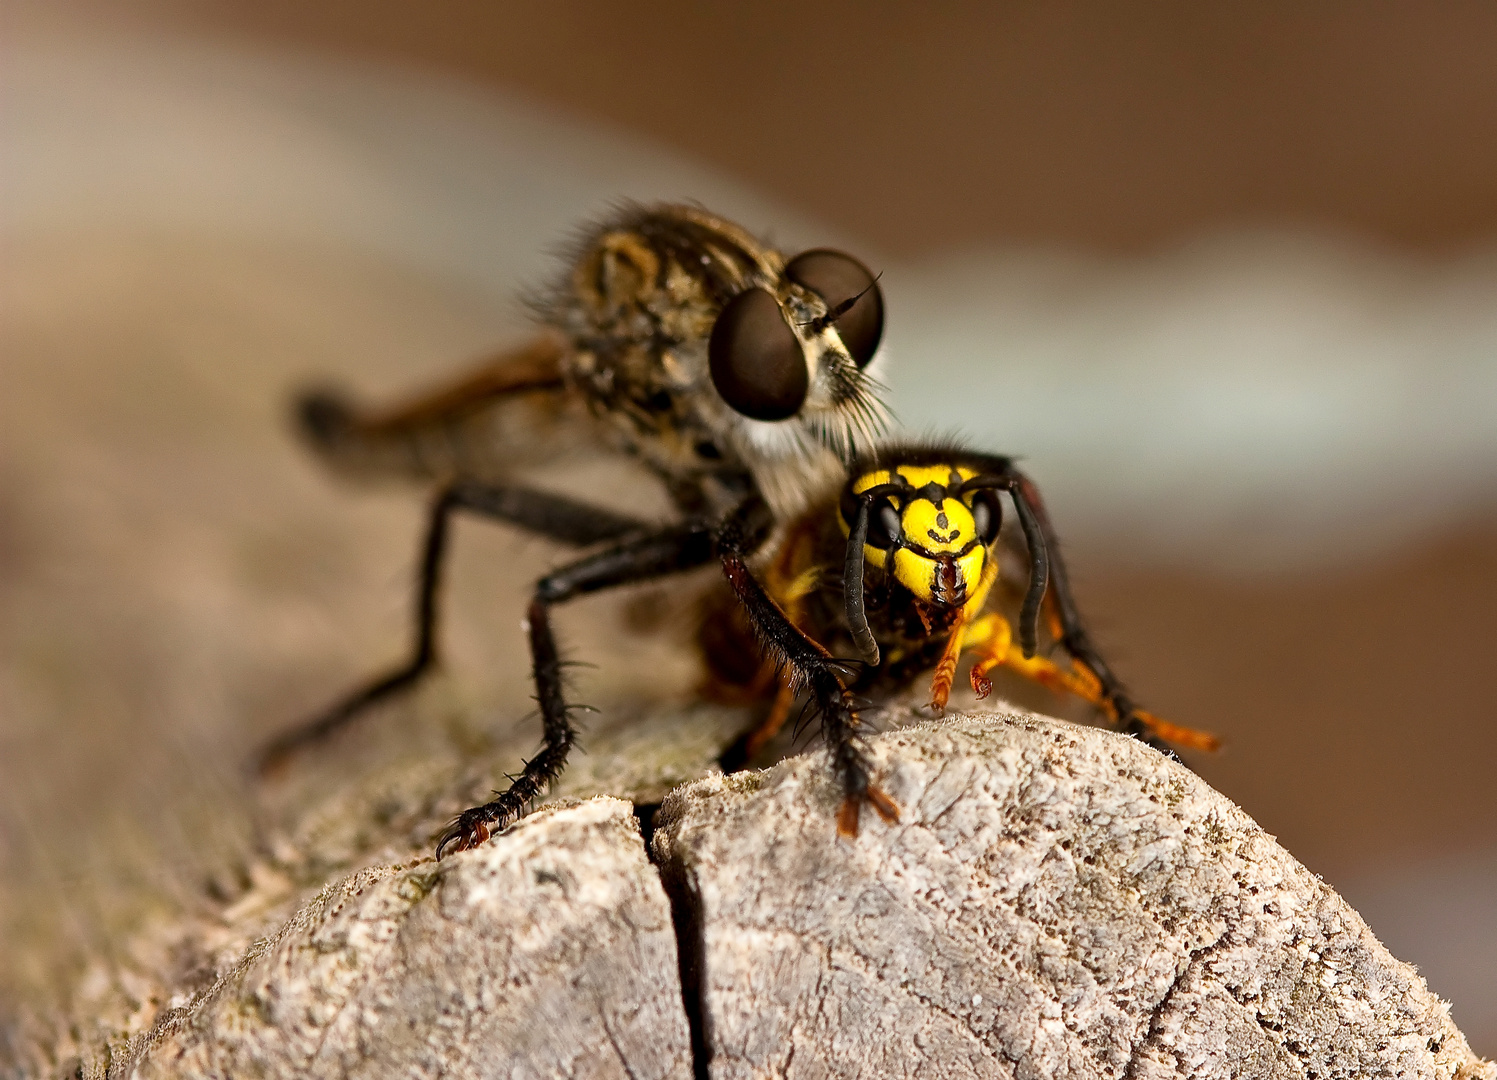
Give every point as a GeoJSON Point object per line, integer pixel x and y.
{"type": "Point", "coordinates": [1355, 699]}
{"type": "Point", "coordinates": [919, 127]}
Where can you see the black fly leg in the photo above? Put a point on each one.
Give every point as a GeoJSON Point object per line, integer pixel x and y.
{"type": "Point", "coordinates": [423, 654]}
{"type": "Point", "coordinates": [810, 664]}
{"type": "Point", "coordinates": [539, 512]}
{"type": "Point", "coordinates": [657, 554]}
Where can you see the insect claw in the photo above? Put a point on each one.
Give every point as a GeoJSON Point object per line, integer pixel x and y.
{"type": "Point", "coordinates": [847, 817]}
{"type": "Point", "coordinates": [467, 831]}
{"type": "Point", "coordinates": [886, 807]}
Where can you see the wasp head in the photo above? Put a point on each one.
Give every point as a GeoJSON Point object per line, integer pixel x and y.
{"type": "Point", "coordinates": [924, 529]}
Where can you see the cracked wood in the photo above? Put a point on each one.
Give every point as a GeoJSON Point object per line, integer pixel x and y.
{"type": "Point", "coordinates": [1055, 901]}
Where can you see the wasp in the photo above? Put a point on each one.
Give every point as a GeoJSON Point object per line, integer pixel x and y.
{"type": "Point", "coordinates": [913, 535]}
{"type": "Point", "coordinates": [738, 377]}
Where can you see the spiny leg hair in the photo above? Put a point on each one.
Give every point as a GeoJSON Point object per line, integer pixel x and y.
{"type": "Point", "coordinates": [637, 559]}
{"type": "Point", "coordinates": [809, 664]}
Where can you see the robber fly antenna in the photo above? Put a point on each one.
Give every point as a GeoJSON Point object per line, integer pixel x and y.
{"type": "Point", "coordinates": [821, 322]}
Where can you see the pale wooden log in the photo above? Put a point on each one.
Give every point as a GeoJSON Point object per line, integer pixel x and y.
{"type": "Point", "coordinates": [1055, 901]}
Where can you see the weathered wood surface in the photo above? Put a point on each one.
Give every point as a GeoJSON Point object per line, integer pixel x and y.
{"type": "Point", "coordinates": [549, 954]}
{"type": "Point", "coordinates": [1055, 901]}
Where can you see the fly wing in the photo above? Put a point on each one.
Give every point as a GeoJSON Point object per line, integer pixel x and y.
{"type": "Point", "coordinates": [512, 412]}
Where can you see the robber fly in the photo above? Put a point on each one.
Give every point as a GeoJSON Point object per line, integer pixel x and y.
{"type": "Point", "coordinates": [913, 536]}
{"type": "Point", "coordinates": [738, 377]}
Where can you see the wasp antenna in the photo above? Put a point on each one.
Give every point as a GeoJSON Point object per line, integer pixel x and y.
{"type": "Point", "coordinates": [852, 587]}
{"type": "Point", "coordinates": [1039, 572]}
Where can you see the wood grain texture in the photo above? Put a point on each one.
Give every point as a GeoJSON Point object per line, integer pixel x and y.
{"type": "Point", "coordinates": [1055, 901]}
{"type": "Point", "coordinates": [549, 952]}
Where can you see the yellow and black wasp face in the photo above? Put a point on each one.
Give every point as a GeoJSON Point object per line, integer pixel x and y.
{"type": "Point", "coordinates": [927, 526]}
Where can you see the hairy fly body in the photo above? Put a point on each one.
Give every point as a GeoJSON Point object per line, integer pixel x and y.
{"type": "Point", "coordinates": [737, 376]}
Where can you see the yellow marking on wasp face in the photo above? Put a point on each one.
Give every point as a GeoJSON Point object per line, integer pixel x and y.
{"type": "Point", "coordinates": [941, 530]}
{"type": "Point", "coordinates": [917, 573]}
{"type": "Point", "coordinates": [987, 575]}
{"type": "Point", "coordinates": [914, 573]}
{"type": "Point", "coordinates": [971, 566]}
{"type": "Point", "coordinates": [917, 476]}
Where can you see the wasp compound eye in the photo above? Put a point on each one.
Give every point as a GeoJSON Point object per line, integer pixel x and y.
{"type": "Point", "coordinates": [756, 360]}
{"type": "Point", "coordinates": [884, 528]}
{"type": "Point", "coordinates": [987, 514]}
{"type": "Point", "coordinates": [838, 279]}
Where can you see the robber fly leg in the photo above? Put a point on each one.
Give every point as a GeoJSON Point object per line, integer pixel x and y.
{"type": "Point", "coordinates": [637, 559]}
{"type": "Point", "coordinates": [423, 654]}
{"type": "Point", "coordinates": [539, 512]}
{"type": "Point", "coordinates": [808, 664]}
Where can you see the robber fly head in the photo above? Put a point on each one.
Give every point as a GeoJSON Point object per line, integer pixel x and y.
{"type": "Point", "coordinates": [713, 350]}
{"type": "Point", "coordinates": [797, 346]}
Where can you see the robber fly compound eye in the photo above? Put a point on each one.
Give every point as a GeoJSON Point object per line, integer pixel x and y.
{"type": "Point", "coordinates": [855, 306]}
{"type": "Point", "coordinates": [756, 361]}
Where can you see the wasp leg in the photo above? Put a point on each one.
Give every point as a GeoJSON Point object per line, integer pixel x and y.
{"type": "Point", "coordinates": [636, 559]}
{"type": "Point", "coordinates": [779, 712]}
{"type": "Point", "coordinates": [808, 664]}
{"type": "Point", "coordinates": [1115, 701]}
{"type": "Point", "coordinates": [992, 638]}
{"type": "Point", "coordinates": [945, 673]}
{"type": "Point", "coordinates": [539, 512]}
{"type": "Point", "coordinates": [748, 745]}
